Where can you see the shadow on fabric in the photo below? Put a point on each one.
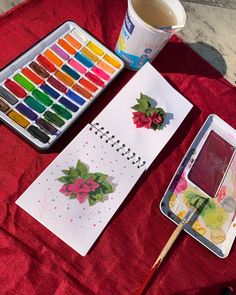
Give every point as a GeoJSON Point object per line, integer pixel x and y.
{"type": "Point", "coordinates": [193, 59]}
{"type": "Point", "coordinates": [218, 289]}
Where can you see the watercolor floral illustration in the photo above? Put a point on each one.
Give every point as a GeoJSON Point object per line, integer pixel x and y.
{"type": "Point", "coordinates": [82, 185]}
{"type": "Point", "coordinates": [147, 116]}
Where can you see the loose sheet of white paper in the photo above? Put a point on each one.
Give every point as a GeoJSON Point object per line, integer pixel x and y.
{"type": "Point", "coordinates": [79, 224]}
{"type": "Point", "coordinates": [117, 116]}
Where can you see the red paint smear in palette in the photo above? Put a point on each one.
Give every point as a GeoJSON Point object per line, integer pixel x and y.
{"type": "Point", "coordinates": [211, 163]}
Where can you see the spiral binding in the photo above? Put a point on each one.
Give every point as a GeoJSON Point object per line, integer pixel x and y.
{"type": "Point", "coordinates": [111, 139]}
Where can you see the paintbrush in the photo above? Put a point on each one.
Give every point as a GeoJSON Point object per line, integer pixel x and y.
{"type": "Point", "coordinates": [171, 28]}
{"type": "Point", "coordinates": [167, 246]}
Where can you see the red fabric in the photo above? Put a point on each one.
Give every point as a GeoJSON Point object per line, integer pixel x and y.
{"type": "Point", "coordinates": [33, 260]}
{"type": "Point", "coordinates": [14, 8]}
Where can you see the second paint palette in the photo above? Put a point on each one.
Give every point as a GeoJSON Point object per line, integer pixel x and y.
{"type": "Point", "coordinates": [45, 90]}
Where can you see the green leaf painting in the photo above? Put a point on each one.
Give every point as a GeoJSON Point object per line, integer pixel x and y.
{"type": "Point", "coordinates": [82, 169]}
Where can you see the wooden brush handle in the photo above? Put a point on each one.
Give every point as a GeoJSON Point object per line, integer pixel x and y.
{"type": "Point", "coordinates": [162, 255]}
{"type": "Point", "coordinates": [169, 243]}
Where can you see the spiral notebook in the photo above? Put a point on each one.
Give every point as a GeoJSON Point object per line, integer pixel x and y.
{"type": "Point", "coordinates": [80, 191]}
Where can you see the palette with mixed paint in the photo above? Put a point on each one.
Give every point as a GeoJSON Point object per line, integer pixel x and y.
{"type": "Point", "coordinates": [47, 88]}
{"type": "Point", "coordinates": [207, 173]}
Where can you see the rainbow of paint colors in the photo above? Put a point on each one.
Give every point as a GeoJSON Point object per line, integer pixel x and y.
{"type": "Point", "coordinates": [46, 89]}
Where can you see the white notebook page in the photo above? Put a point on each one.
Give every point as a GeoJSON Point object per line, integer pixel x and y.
{"type": "Point", "coordinates": [79, 224]}
{"type": "Point", "coordinates": [117, 116]}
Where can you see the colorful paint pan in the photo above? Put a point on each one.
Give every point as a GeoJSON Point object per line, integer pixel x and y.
{"type": "Point", "coordinates": [38, 69]}
{"type": "Point", "coordinates": [45, 125]}
{"type": "Point", "coordinates": [15, 88]}
{"type": "Point", "coordinates": [106, 67]}
{"type": "Point", "coordinates": [53, 58]}
{"type": "Point", "coordinates": [19, 119]}
{"type": "Point", "coordinates": [64, 78]}
{"type": "Point", "coordinates": [75, 43]}
{"type": "Point", "coordinates": [34, 104]}
{"type": "Point", "coordinates": [68, 104]}
{"type": "Point", "coordinates": [79, 35]}
{"type": "Point", "coordinates": [3, 106]}
{"type": "Point", "coordinates": [85, 93]}
{"type": "Point", "coordinates": [61, 111]}
{"type": "Point", "coordinates": [100, 73]}
{"type": "Point", "coordinates": [95, 48]}
{"type": "Point", "coordinates": [88, 85]}
{"type": "Point", "coordinates": [66, 46]}
{"type": "Point", "coordinates": [27, 112]}
{"type": "Point", "coordinates": [89, 54]}
{"type": "Point", "coordinates": [95, 79]}
{"type": "Point", "coordinates": [84, 60]}
{"type": "Point", "coordinates": [41, 97]}
{"type": "Point", "coordinates": [74, 74]}
{"type": "Point", "coordinates": [44, 62]}
{"type": "Point", "coordinates": [60, 52]}
{"type": "Point", "coordinates": [32, 76]}
{"type": "Point", "coordinates": [57, 84]}
{"type": "Point", "coordinates": [7, 96]}
{"type": "Point", "coordinates": [50, 91]}
{"type": "Point", "coordinates": [75, 97]}
{"type": "Point", "coordinates": [78, 66]}
{"type": "Point", "coordinates": [37, 133]}
{"type": "Point", "coordinates": [54, 119]}
{"type": "Point", "coordinates": [112, 61]}
{"type": "Point", "coordinates": [24, 82]}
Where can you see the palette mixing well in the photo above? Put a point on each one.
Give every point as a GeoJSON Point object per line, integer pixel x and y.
{"type": "Point", "coordinates": [46, 89]}
{"type": "Point", "coordinates": [207, 174]}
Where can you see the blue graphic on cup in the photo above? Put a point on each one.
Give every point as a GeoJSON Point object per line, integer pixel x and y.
{"type": "Point", "coordinates": [128, 24]}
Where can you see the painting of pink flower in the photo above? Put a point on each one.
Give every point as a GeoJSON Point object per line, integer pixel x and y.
{"type": "Point", "coordinates": [92, 184]}
{"type": "Point", "coordinates": [81, 189]}
{"type": "Point", "coordinates": [140, 120]}
{"type": "Point", "coordinates": [81, 197]}
{"type": "Point", "coordinates": [65, 190]}
{"type": "Point", "coordinates": [147, 115]}
{"type": "Point", "coordinates": [81, 185]}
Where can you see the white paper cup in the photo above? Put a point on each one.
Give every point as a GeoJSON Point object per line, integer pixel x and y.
{"type": "Point", "coordinates": [139, 42]}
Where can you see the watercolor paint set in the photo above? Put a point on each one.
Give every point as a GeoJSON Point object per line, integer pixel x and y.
{"type": "Point", "coordinates": [207, 174]}
{"type": "Point", "coordinates": [48, 87]}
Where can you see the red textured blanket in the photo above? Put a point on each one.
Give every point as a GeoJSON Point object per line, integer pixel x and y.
{"type": "Point", "coordinates": [32, 259]}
